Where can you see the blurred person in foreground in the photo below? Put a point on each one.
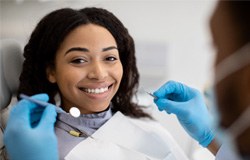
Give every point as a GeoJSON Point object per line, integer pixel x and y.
{"type": "Point", "coordinates": [229, 138]}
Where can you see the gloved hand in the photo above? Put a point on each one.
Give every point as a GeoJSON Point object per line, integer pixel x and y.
{"type": "Point", "coordinates": [188, 105]}
{"type": "Point", "coordinates": [23, 139]}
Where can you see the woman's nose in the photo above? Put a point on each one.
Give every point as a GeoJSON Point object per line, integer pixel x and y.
{"type": "Point", "coordinates": [97, 71]}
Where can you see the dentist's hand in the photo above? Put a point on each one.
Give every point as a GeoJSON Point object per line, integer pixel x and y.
{"type": "Point", "coordinates": [188, 105]}
{"type": "Point", "coordinates": [30, 131]}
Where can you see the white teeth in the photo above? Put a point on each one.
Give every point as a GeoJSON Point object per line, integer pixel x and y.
{"type": "Point", "coordinates": [97, 90]}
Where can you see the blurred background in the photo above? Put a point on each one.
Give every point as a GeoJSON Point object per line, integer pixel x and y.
{"type": "Point", "coordinates": [172, 41]}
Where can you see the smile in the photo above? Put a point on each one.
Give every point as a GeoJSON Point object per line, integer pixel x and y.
{"type": "Point", "coordinates": [95, 90]}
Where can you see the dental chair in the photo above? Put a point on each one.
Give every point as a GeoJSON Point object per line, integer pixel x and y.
{"type": "Point", "coordinates": [11, 60]}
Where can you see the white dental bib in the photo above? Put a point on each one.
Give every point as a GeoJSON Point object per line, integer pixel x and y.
{"type": "Point", "coordinates": [123, 138]}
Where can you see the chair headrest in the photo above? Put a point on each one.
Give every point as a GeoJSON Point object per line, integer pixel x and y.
{"type": "Point", "coordinates": [11, 60]}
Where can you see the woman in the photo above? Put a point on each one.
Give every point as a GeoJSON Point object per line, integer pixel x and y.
{"type": "Point", "coordinates": [87, 58]}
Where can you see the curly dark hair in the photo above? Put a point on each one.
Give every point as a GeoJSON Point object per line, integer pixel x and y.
{"type": "Point", "coordinates": [50, 32]}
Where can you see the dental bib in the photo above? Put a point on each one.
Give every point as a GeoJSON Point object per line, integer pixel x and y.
{"type": "Point", "coordinates": [123, 138]}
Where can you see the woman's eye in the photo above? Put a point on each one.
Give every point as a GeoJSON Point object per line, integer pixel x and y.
{"type": "Point", "coordinates": [78, 61]}
{"type": "Point", "coordinates": [111, 59]}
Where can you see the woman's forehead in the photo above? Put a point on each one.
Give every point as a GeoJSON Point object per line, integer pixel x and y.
{"type": "Point", "coordinates": [92, 37]}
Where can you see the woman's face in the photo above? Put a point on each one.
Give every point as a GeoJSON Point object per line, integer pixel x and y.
{"type": "Point", "coordinates": [88, 69]}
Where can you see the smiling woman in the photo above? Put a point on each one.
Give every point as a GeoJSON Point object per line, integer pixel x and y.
{"type": "Point", "coordinates": [87, 58]}
{"type": "Point", "coordinates": [96, 32]}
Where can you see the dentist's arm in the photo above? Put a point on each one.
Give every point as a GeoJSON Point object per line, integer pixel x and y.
{"type": "Point", "coordinates": [188, 105]}
{"type": "Point", "coordinates": [30, 131]}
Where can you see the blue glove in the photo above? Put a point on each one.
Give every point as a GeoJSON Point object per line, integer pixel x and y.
{"type": "Point", "coordinates": [30, 132]}
{"type": "Point", "coordinates": [188, 105]}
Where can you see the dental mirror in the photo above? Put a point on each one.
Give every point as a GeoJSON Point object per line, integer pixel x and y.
{"type": "Point", "coordinates": [75, 112]}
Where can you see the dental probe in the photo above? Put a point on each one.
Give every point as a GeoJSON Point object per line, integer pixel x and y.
{"type": "Point", "coordinates": [151, 95]}
{"type": "Point", "coordinates": [73, 110]}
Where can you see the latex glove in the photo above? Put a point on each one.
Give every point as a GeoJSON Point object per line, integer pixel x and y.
{"type": "Point", "coordinates": [188, 105]}
{"type": "Point", "coordinates": [23, 139]}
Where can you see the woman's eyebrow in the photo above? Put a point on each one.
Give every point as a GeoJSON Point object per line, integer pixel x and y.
{"type": "Point", "coordinates": [86, 50]}
{"type": "Point", "coordinates": [109, 48]}
{"type": "Point", "coordinates": [77, 49]}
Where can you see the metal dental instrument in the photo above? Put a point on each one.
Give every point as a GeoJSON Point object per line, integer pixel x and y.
{"type": "Point", "coordinates": [41, 103]}
{"type": "Point", "coordinates": [151, 95]}
{"type": "Point", "coordinates": [75, 131]}
{"type": "Point", "coordinates": [75, 112]}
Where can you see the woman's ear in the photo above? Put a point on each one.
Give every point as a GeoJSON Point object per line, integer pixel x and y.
{"type": "Point", "coordinates": [51, 75]}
